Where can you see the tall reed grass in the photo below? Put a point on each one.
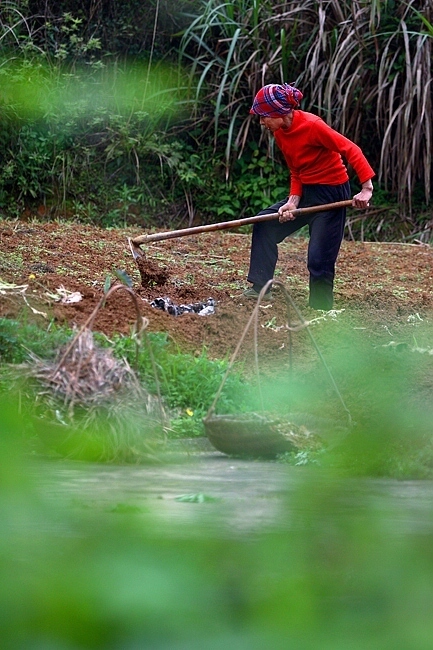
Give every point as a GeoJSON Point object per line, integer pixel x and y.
{"type": "Point", "coordinates": [91, 143]}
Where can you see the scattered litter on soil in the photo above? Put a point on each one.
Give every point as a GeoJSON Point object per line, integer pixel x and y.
{"type": "Point", "coordinates": [65, 296]}
{"type": "Point", "coordinates": [201, 308]}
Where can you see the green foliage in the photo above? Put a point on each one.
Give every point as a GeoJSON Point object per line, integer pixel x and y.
{"type": "Point", "coordinates": [259, 180]}
{"type": "Point", "coordinates": [388, 392]}
{"type": "Point", "coordinates": [256, 181]}
{"type": "Point", "coordinates": [96, 418]}
{"type": "Point", "coordinates": [187, 424]}
{"type": "Point", "coordinates": [386, 389]}
{"type": "Point", "coordinates": [18, 338]}
{"type": "Point", "coordinates": [188, 383]}
{"type": "Point", "coordinates": [301, 458]}
{"type": "Point", "coordinates": [357, 65]}
{"type": "Point", "coordinates": [74, 29]}
{"type": "Point", "coordinates": [85, 135]}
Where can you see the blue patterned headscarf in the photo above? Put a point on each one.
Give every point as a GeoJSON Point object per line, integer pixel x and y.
{"type": "Point", "coordinates": [276, 100]}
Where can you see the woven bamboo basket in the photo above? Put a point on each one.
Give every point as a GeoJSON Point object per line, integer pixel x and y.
{"type": "Point", "coordinates": [247, 435]}
{"type": "Point", "coordinates": [265, 436]}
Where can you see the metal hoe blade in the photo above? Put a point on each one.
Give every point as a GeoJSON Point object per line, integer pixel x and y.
{"type": "Point", "coordinates": [135, 249]}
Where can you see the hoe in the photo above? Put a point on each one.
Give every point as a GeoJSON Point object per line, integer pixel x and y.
{"type": "Point", "coordinates": [139, 255]}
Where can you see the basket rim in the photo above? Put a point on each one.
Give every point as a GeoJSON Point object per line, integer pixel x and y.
{"type": "Point", "coordinates": [240, 417]}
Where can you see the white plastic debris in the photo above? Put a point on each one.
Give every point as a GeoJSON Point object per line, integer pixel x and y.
{"type": "Point", "coordinates": [205, 308]}
{"type": "Point", "coordinates": [65, 296]}
{"type": "Point", "coordinates": [414, 318]}
{"type": "Point", "coordinates": [8, 288]}
{"type": "Point", "coordinates": [207, 311]}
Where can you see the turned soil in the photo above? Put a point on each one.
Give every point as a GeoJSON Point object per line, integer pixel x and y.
{"type": "Point", "coordinates": [378, 287]}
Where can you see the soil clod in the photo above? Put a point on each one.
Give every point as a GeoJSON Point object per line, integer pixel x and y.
{"type": "Point", "coordinates": [151, 274]}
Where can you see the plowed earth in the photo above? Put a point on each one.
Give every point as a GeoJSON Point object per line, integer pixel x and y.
{"type": "Point", "coordinates": [379, 286]}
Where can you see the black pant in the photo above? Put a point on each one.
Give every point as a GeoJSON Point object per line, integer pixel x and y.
{"type": "Point", "coordinates": [326, 233]}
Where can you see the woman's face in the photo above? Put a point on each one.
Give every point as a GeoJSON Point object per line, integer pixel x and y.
{"type": "Point", "coordinates": [272, 124]}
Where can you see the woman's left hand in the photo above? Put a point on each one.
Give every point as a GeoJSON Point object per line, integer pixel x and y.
{"type": "Point", "coordinates": [362, 200]}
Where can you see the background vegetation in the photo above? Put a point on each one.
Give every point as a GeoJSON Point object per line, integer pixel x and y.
{"type": "Point", "coordinates": [138, 111]}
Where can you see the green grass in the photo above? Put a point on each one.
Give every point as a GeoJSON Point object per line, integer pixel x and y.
{"type": "Point", "coordinates": [11, 262]}
{"type": "Point", "coordinates": [385, 388]}
{"type": "Point", "coordinates": [18, 338]}
{"type": "Point", "coordinates": [341, 571]}
{"type": "Point", "coordinates": [187, 383]}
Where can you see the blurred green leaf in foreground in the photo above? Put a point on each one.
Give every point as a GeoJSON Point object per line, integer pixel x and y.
{"type": "Point", "coordinates": [339, 572]}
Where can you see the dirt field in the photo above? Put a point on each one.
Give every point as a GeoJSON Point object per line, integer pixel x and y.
{"type": "Point", "coordinates": [379, 285]}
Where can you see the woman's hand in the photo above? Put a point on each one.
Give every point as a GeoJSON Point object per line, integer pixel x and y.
{"type": "Point", "coordinates": [286, 210]}
{"type": "Point", "coordinates": [362, 200]}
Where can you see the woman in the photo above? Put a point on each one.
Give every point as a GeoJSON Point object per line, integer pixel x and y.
{"type": "Point", "coordinates": [313, 152]}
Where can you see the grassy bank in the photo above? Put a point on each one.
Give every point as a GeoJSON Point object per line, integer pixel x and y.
{"type": "Point", "coordinates": [377, 394]}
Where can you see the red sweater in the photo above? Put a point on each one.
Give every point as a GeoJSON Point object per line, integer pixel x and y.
{"type": "Point", "coordinates": [313, 152]}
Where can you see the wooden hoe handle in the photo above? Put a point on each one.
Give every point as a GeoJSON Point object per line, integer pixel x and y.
{"type": "Point", "coordinates": [236, 223]}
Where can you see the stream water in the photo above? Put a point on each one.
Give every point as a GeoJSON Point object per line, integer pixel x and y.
{"type": "Point", "coordinates": [224, 495]}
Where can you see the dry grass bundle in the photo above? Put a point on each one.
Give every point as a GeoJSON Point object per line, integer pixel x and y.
{"type": "Point", "coordinates": [92, 404]}
{"type": "Point", "coordinates": [85, 374]}
{"type": "Point", "coordinates": [100, 408]}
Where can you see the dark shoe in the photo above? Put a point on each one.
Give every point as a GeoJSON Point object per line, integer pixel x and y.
{"type": "Point", "coordinates": [252, 294]}
{"type": "Point", "coordinates": [321, 305]}
{"type": "Point", "coordinates": [321, 295]}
